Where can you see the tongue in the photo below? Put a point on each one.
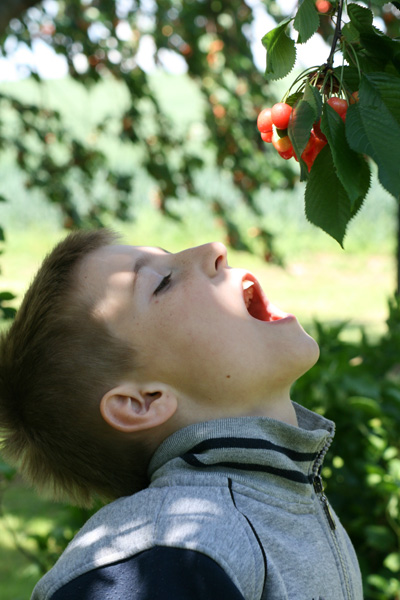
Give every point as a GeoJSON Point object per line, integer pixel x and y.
{"type": "Point", "coordinates": [258, 310]}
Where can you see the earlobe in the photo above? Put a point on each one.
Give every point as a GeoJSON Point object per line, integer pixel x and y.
{"type": "Point", "coordinates": [129, 407]}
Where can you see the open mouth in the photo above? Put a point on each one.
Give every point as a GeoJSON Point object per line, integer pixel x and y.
{"type": "Point", "coordinates": [257, 304]}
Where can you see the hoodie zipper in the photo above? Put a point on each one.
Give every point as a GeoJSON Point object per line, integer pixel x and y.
{"type": "Point", "coordinates": [319, 490]}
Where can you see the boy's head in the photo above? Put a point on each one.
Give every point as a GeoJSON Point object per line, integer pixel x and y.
{"type": "Point", "coordinates": [115, 347]}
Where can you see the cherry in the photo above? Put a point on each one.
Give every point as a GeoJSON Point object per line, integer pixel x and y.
{"type": "Point", "coordinates": [323, 6]}
{"type": "Point", "coordinates": [264, 121]}
{"type": "Point", "coordinates": [287, 153]}
{"type": "Point", "coordinates": [281, 144]}
{"type": "Point", "coordinates": [339, 105]}
{"type": "Point", "coordinates": [354, 97]}
{"type": "Point", "coordinates": [267, 136]}
{"type": "Point", "coordinates": [280, 114]}
{"type": "Point", "coordinates": [312, 149]}
{"type": "Point", "coordinates": [318, 132]}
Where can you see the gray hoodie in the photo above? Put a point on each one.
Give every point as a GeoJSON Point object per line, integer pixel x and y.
{"type": "Point", "coordinates": [247, 493]}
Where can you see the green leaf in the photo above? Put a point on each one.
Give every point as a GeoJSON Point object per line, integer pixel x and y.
{"type": "Point", "coordinates": [379, 47]}
{"type": "Point", "coordinates": [327, 204]}
{"type": "Point", "coordinates": [350, 33]}
{"type": "Point", "coordinates": [281, 51]}
{"type": "Point", "coordinates": [6, 296]}
{"type": "Point", "coordinates": [304, 115]}
{"type": "Point", "coordinates": [373, 126]}
{"type": "Point", "coordinates": [392, 562]}
{"type": "Point", "coordinates": [361, 18]}
{"type": "Point", "coordinates": [349, 76]}
{"type": "Point", "coordinates": [351, 167]}
{"type": "Point", "coordinates": [379, 537]}
{"type": "Point", "coordinates": [306, 21]}
{"type": "Point", "coordinates": [314, 98]}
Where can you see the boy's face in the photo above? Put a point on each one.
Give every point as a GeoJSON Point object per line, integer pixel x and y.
{"type": "Point", "coordinates": [195, 327]}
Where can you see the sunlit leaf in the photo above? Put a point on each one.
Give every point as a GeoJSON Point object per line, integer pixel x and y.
{"type": "Point", "coordinates": [281, 51]}
{"type": "Point", "coordinates": [306, 21]}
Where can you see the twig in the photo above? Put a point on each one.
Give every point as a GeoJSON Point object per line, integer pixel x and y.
{"type": "Point", "coordinates": [336, 35]}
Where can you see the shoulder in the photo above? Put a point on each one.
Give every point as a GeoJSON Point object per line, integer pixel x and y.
{"type": "Point", "coordinates": [198, 518]}
{"type": "Point", "coordinates": [160, 573]}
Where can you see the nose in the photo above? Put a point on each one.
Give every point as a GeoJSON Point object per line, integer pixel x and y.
{"type": "Point", "coordinates": [213, 258]}
{"type": "Point", "coordinates": [209, 258]}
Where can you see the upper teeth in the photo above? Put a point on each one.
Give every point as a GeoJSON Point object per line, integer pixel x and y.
{"type": "Point", "coordinates": [248, 292]}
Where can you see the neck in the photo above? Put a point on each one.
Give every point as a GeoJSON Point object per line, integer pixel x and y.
{"type": "Point", "coordinates": [276, 406]}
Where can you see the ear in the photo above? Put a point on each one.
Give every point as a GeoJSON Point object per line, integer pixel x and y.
{"type": "Point", "coordinates": [132, 407]}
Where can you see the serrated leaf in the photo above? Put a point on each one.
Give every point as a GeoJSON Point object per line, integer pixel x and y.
{"type": "Point", "coordinates": [306, 21]}
{"type": "Point", "coordinates": [327, 204]}
{"type": "Point", "coordinates": [373, 126]}
{"type": "Point", "coordinates": [379, 46]}
{"type": "Point", "coordinates": [281, 51]}
{"type": "Point", "coordinates": [350, 33]}
{"type": "Point", "coordinates": [313, 97]}
{"type": "Point", "coordinates": [361, 18]}
{"type": "Point", "coordinates": [351, 168]}
{"type": "Point", "coordinates": [303, 116]}
{"type": "Point", "coordinates": [293, 98]}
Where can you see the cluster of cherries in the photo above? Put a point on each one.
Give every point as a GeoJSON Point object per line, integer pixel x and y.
{"type": "Point", "coordinates": [272, 123]}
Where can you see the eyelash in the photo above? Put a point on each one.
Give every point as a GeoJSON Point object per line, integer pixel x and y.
{"type": "Point", "coordinates": [164, 283]}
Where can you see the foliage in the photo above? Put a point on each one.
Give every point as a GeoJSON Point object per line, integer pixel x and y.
{"type": "Point", "coordinates": [103, 39]}
{"type": "Point", "coordinates": [338, 180]}
{"type": "Point", "coordinates": [358, 387]}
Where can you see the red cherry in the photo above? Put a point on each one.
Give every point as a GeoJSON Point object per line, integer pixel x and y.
{"type": "Point", "coordinates": [354, 97]}
{"type": "Point", "coordinates": [287, 154]}
{"type": "Point", "coordinates": [317, 130]}
{"type": "Point", "coordinates": [280, 114]}
{"type": "Point", "coordinates": [281, 144]}
{"type": "Point", "coordinates": [339, 105]}
{"type": "Point", "coordinates": [323, 6]}
{"type": "Point", "coordinates": [264, 121]}
{"type": "Point", "coordinates": [267, 136]}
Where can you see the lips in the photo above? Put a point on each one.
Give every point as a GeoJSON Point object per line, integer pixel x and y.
{"type": "Point", "coordinates": [256, 302]}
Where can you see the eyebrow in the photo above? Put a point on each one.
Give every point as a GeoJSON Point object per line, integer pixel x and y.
{"type": "Point", "coordinates": [141, 262]}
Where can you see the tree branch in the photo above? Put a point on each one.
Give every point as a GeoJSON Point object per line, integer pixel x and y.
{"type": "Point", "coordinates": [336, 35]}
{"type": "Point", "coordinates": [13, 9]}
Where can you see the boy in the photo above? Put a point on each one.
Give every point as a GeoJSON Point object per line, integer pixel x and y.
{"type": "Point", "coordinates": [130, 368]}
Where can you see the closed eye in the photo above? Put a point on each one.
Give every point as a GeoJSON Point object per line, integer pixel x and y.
{"type": "Point", "coordinates": [163, 284]}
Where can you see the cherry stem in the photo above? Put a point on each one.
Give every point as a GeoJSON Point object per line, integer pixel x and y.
{"type": "Point", "coordinates": [337, 34]}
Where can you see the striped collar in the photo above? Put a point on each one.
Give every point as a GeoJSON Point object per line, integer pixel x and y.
{"type": "Point", "coordinates": [251, 450]}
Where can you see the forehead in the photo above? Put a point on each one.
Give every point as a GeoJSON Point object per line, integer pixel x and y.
{"type": "Point", "coordinates": [111, 265]}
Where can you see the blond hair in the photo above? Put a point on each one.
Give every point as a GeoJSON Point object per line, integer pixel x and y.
{"type": "Point", "coordinates": [56, 362]}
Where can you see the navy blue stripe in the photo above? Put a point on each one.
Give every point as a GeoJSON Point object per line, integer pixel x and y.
{"type": "Point", "coordinates": [252, 444]}
{"type": "Point", "coordinates": [297, 476]}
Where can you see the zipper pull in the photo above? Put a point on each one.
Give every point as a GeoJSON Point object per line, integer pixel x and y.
{"type": "Point", "coordinates": [319, 489]}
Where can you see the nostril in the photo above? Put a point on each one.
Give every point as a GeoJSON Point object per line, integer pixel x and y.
{"type": "Point", "coordinates": [219, 262]}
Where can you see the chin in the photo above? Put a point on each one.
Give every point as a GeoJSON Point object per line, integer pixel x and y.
{"type": "Point", "coordinates": [308, 355]}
